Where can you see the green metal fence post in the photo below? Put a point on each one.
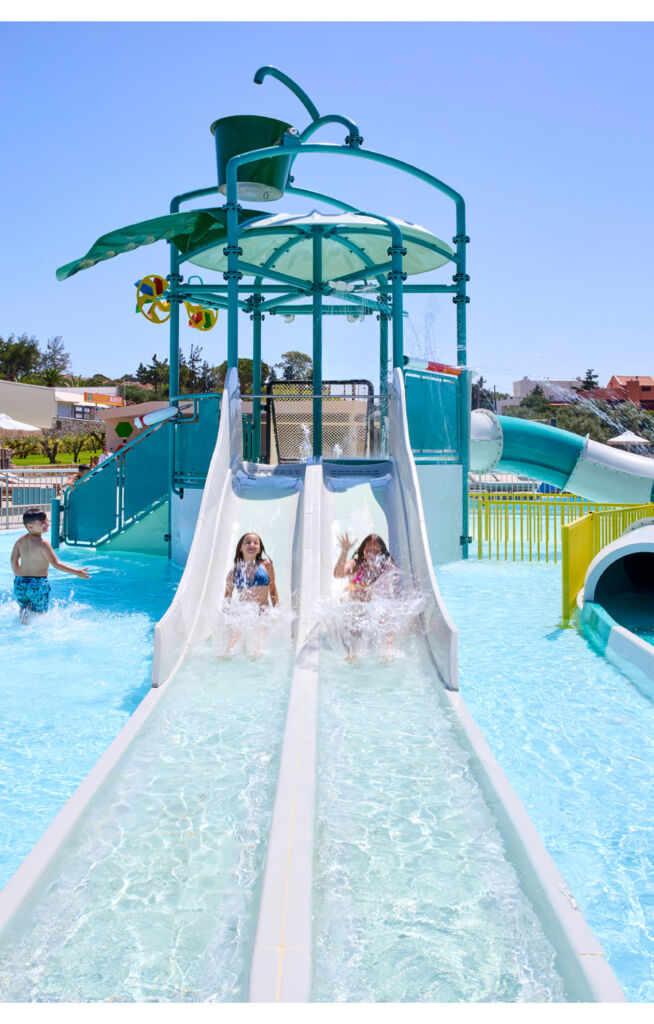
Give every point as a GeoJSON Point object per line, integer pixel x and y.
{"type": "Point", "coordinates": [383, 349]}
{"type": "Point", "coordinates": [464, 382]}
{"type": "Point", "coordinates": [317, 342]}
{"type": "Point", "coordinates": [232, 275]}
{"type": "Point", "coordinates": [461, 279]}
{"type": "Point", "coordinates": [257, 318]}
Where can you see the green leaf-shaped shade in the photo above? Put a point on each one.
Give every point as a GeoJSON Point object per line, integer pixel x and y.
{"type": "Point", "coordinates": [188, 231]}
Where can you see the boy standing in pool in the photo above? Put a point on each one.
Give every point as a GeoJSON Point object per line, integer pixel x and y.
{"type": "Point", "coordinates": [31, 558]}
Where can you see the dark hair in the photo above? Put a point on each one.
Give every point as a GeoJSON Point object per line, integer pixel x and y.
{"type": "Point", "coordinates": [259, 557]}
{"type": "Point", "coordinates": [82, 468]}
{"type": "Point", "coordinates": [33, 515]}
{"type": "Point", "coordinates": [358, 554]}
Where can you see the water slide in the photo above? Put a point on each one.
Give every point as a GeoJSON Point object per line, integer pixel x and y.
{"type": "Point", "coordinates": [592, 470]}
{"type": "Point", "coordinates": [187, 864]}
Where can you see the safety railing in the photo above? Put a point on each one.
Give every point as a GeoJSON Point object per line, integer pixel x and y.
{"type": "Point", "coordinates": [585, 538]}
{"type": "Point", "coordinates": [194, 439]}
{"type": "Point", "coordinates": [121, 490]}
{"type": "Point", "coordinates": [23, 487]}
{"type": "Point", "coordinates": [248, 437]}
{"type": "Point", "coordinates": [525, 526]}
{"type": "Point", "coordinates": [354, 421]}
{"type": "Point", "coordinates": [505, 482]}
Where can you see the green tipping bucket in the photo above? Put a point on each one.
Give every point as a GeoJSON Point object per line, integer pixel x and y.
{"type": "Point", "coordinates": [263, 180]}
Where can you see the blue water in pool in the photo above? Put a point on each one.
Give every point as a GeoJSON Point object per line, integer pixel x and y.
{"type": "Point", "coordinates": [576, 741]}
{"type": "Point", "coordinates": [69, 681]}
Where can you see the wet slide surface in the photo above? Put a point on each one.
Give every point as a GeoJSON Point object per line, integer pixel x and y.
{"type": "Point", "coordinates": [154, 895]}
{"type": "Point", "coordinates": [414, 899]}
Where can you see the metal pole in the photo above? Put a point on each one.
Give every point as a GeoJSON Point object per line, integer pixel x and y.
{"type": "Point", "coordinates": [317, 342]}
{"type": "Point", "coordinates": [397, 278]}
{"type": "Point", "coordinates": [464, 454]}
{"type": "Point", "coordinates": [383, 351]}
{"type": "Point", "coordinates": [461, 279]}
{"type": "Point", "coordinates": [174, 280]}
{"type": "Point", "coordinates": [256, 317]}
{"type": "Point", "coordinates": [232, 275]}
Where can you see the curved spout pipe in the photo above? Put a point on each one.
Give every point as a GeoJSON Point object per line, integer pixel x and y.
{"type": "Point", "coordinates": [290, 84]}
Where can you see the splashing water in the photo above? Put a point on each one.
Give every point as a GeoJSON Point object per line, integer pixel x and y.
{"type": "Point", "coordinates": [244, 627]}
{"type": "Point", "coordinates": [374, 623]}
{"type": "Point", "coordinates": [305, 447]}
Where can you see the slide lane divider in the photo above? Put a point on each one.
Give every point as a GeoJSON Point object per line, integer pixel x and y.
{"type": "Point", "coordinates": [281, 968]}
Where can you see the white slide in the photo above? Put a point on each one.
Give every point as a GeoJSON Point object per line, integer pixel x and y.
{"type": "Point", "coordinates": [238, 498]}
{"type": "Point", "coordinates": [384, 498]}
{"type": "Point", "coordinates": [144, 887]}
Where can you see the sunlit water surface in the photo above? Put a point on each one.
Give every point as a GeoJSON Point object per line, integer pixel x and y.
{"type": "Point", "coordinates": [575, 739]}
{"type": "Point", "coordinates": [155, 897]}
{"type": "Point", "coordinates": [69, 681]}
{"type": "Point", "coordinates": [414, 899]}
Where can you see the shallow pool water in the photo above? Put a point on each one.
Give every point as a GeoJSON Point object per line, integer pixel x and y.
{"type": "Point", "coordinates": [69, 681]}
{"type": "Point", "coordinates": [414, 899]}
{"type": "Point", "coordinates": [635, 611]}
{"type": "Point", "coordinates": [575, 739]}
{"type": "Point", "coordinates": [154, 897]}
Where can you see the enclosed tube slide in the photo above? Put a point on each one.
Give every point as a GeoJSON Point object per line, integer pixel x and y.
{"type": "Point", "coordinates": [618, 603]}
{"type": "Point", "coordinates": [592, 470]}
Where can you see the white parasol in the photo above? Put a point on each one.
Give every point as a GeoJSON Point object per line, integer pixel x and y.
{"type": "Point", "coordinates": [627, 438]}
{"type": "Point", "coordinates": [9, 424]}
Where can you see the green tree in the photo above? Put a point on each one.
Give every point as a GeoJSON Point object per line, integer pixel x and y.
{"type": "Point", "coordinates": [245, 375]}
{"type": "Point", "coordinates": [21, 446]}
{"type": "Point", "coordinates": [54, 357]}
{"type": "Point", "coordinates": [50, 441]}
{"type": "Point", "coordinates": [157, 373]}
{"type": "Point", "coordinates": [480, 397]}
{"type": "Point", "coordinates": [77, 438]}
{"type": "Point", "coordinates": [294, 366]}
{"type": "Point", "coordinates": [19, 356]}
{"type": "Point", "coordinates": [590, 381]}
{"type": "Point", "coordinates": [51, 377]}
{"type": "Point", "coordinates": [209, 379]}
{"type": "Point", "coordinates": [534, 407]}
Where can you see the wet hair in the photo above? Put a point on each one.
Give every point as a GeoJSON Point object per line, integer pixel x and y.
{"type": "Point", "coordinates": [33, 515]}
{"type": "Point", "coordinates": [359, 553]}
{"type": "Point", "coordinates": [259, 557]}
{"type": "Point", "coordinates": [83, 468]}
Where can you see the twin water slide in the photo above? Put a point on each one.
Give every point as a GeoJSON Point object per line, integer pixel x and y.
{"type": "Point", "coordinates": [134, 891]}
{"type": "Point", "coordinates": [592, 470]}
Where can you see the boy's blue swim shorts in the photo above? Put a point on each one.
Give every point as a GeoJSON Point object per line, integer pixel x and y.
{"type": "Point", "coordinates": [32, 592]}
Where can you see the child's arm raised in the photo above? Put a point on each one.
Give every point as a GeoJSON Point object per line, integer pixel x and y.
{"type": "Point", "coordinates": [83, 574]}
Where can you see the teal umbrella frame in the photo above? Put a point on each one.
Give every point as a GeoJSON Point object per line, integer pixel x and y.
{"type": "Point", "coordinates": [195, 233]}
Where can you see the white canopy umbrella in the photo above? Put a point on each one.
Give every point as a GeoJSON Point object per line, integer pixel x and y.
{"type": "Point", "coordinates": [9, 424]}
{"type": "Point", "coordinates": [627, 438]}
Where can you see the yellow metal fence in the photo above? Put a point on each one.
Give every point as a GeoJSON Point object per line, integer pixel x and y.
{"type": "Point", "coordinates": [525, 526]}
{"type": "Point", "coordinates": [585, 538]}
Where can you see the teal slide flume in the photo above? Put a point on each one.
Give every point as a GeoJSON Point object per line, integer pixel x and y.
{"type": "Point", "coordinates": [576, 464]}
{"type": "Point", "coordinates": [538, 450]}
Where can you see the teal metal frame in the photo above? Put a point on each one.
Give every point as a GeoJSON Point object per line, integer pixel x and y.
{"type": "Point", "coordinates": [278, 293]}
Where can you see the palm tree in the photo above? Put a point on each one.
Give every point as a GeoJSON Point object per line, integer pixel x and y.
{"type": "Point", "coordinates": [51, 377]}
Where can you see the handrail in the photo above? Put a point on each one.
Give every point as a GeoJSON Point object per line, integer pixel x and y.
{"type": "Point", "coordinates": [114, 463]}
{"type": "Point", "coordinates": [582, 540]}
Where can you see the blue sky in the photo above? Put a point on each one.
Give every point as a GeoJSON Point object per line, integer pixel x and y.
{"type": "Point", "coordinates": [545, 128]}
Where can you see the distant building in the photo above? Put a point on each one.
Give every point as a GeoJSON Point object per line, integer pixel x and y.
{"type": "Point", "coordinates": [45, 407]}
{"type": "Point", "coordinates": [636, 389]}
{"type": "Point", "coordinates": [557, 392]}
